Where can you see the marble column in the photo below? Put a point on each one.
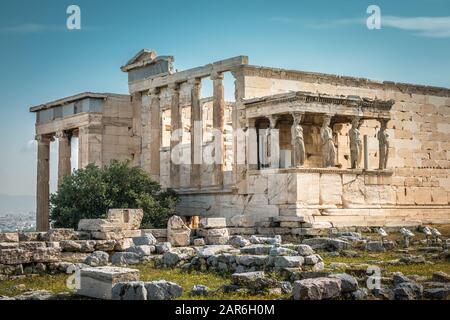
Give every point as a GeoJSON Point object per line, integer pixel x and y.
{"type": "Point", "coordinates": [196, 133]}
{"type": "Point", "coordinates": [64, 154]}
{"type": "Point", "coordinates": [176, 135]}
{"type": "Point", "coordinates": [218, 127]}
{"type": "Point", "coordinates": [251, 145]}
{"type": "Point", "coordinates": [297, 141]}
{"type": "Point", "coordinates": [273, 143]}
{"type": "Point", "coordinates": [155, 134]}
{"type": "Point", "coordinates": [42, 187]}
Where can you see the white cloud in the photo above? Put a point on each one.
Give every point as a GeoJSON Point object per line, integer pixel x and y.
{"type": "Point", "coordinates": [30, 146]}
{"type": "Point", "coordinates": [435, 27]}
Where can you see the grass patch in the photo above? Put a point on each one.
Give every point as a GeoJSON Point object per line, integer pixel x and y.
{"type": "Point", "coordinates": [53, 283]}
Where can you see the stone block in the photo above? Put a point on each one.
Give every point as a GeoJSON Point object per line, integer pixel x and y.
{"type": "Point", "coordinates": [222, 232]}
{"type": "Point", "coordinates": [61, 234]}
{"type": "Point", "coordinates": [134, 290]}
{"type": "Point", "coordinates": [31, 236]}
{"type": "Point", "coordinates": [178, 234]}
{"type": "Point", "coordinates": [316, 289]}
{"type": "Point", "coordinates": [211, 223]}
{"type": "Point", "coordinates": [132, 218]}
{"type": "Point", "coordinates": [330, 189]}
{"type": "Point", "coordinates": [98, 282]}
{"type": "Point", "coordinates": [9, 237]}
{"type": "Point", "coordinates": [243, 221]}
{"type": "Point", "coordinates": [15, 256]}
{"type": "Point", "coordinates": [9, 245]}
{"type": "Point", "coordinates": [163, 290]}
{"type": "Point", "coordinates": [123, 244]}
{"type": "Point", "coordinates": [32, 245]}
{"type": "Point", "coordinates": [111, 235]}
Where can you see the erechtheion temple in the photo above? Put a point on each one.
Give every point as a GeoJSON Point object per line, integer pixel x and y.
{"type": "Point", "coordinates": [293, 145]}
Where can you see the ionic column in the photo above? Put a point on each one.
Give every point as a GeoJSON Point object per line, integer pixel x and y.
{"type": "Point", "coordinates": [176, 135]}
{"type": "Point", "coordinates": [218, 127]}
{"type": "Point", "coordinates": [251, 145]}
{"type": "Point", "coordinates": [42, 187]}
{"type": "Point", "coordinates": [64, 154]}
{"type": "Point", "coordinates": [155, 134]}
{"type": "Point", "coordinates": [196, 133]}
{"type": "Point", "coordinates": [273, 143]}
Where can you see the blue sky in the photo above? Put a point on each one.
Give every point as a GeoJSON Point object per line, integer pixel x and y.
{"type": "Point", "coordinates": [40, 60]}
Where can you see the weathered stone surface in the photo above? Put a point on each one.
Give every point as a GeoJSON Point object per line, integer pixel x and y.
{"type": "Point", "coordinates": [110, 235]}
{"type": "Point", "coordinates": [219, 240]}
{"type": "Point", "coordinates": [78, 245]}
{"type": "Point", "coordinates": [134, 290]}
{"type": "Point", "coordinates": [312, 259]}
{"type": "Point", "coordinates": [213, 223]}
{"type": "Point", "coordinates": [304, 250]}
{"type": "Point", "coordinates": [281, 251]}
{"type": "Point", "coordinates": [123, 244]}
{"type": "Point", "coordinates": [178, 234]}
{"type": "Point", "coordinates": [61, 234]}
{"type": "Point", "coordinates": [217, 232]}
{"type": "Point", "coordinates": [31, 236]}
{"type": "Point", "coordinates": [170, 259]}
{"type": "Point", "coordinates": [244, 221]}
{"type": "Point", "coordinates": [238, 241]}
{"type": "Point", "coordinates": [163, 247]}
{"type": "Point", "coordinates": [441, 276]}
{"type": "Point", "coordinates": [15, 256]}
{"type": "Point", "coordinates": [32, 245]}
{"type": "Point", "coordinates": [375, 246]}
{"type": "Point", "coordinates": [9, 245]}
{"type": "Point", "coordinates": [256, 249]}
{"type": "Point", "coordinates": [286, 261]}
{"type": "Point", "coordinates": [348, 282]}
{"type": "Point", "coordinates": [9, 237]}
{"type": "Point", "coordinates": [101, 225]}
{"type": "Point", "coordinates": [408, 291]}
{"type": "Point", "coordinates": [163, 290]}
{"type": "Point", "coordinates": [199, 242]}
{"type": "Point", "coordinates": [143, 250]}
{"type": "Point", "coordinates": [212, 250]}
{"type": "Point", "coordinates": [97, 259]}
{"type": "Point", "coordinates": [132, 218]}
{"type": "Point", "coordinates": [327, 243]}
{"type": "Point", "coordinates": [265, 240]}
{"type": "Point", "coordinates": [251, 261]}
{"type": "Point", "coordinates": [437, 293]}
{"type": "Point", "coordinates": [105, 245]}
{"type": "Point", "coordinates": [199, 290]}
{"type": "Point", "coordinates": [98, 282]}
{"type": "Point", "coordinates": [316, 289]}
{"type": "Point", "coordinates": [148, 239]}
{"type": "Point", "coordinates": [125, 258]}
{"type": "Point", "coordinates": [45, 255]}
{"type": "Point", "coordinates": [255, 281]}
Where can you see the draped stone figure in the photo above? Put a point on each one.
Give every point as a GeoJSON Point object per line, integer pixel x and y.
{"type": "Point", "coordinates": [355, 144]}
{"type": "Point", "coordinates": [383, 143]}
{"type": "Point", "coordinates": [297, 142]}
{"type": "Point", "coordinates": [328, 148]}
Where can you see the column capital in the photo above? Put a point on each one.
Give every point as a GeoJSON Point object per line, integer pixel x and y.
{"type": "Point", "coordinates": [44, 138]}
{"type": "Point", "coordinates": [63, 134]}
{"type": "Point", "coordinates": [297, 115]}
{"type": "Point", "coordinates": [273, 118]}
{"type": "Point", "coordinates": [216, 76]}
{"type": "Point", "coordinates": [194, 81]}
{"type": "Point", "coordinates": [174, 87]}
{"type": "Point", "coordinates": [153, 91]}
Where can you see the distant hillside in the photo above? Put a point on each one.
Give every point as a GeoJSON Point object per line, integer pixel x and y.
{"type": "Point", "coordinates": [17, 204]}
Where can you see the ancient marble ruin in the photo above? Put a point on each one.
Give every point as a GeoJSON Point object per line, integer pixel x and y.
{"type": "Point", "coordinates": [293, 150]}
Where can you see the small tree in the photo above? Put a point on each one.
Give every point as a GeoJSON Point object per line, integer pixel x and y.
{"type": "Point", "coordinates": [89, 193]}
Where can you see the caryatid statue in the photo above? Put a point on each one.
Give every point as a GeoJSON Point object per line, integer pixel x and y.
{"type": "Point", "coordinates": [383, 144]}
{"type": "Point", "coordinates": [355, 143]}
{"type": "Point", "coordinates": [328, 148]}
{"type": "Point", "coordinates": [297, 142]}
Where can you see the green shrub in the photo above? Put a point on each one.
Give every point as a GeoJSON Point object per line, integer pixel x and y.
{"type": "Point", "coordinates": [88, 193]}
